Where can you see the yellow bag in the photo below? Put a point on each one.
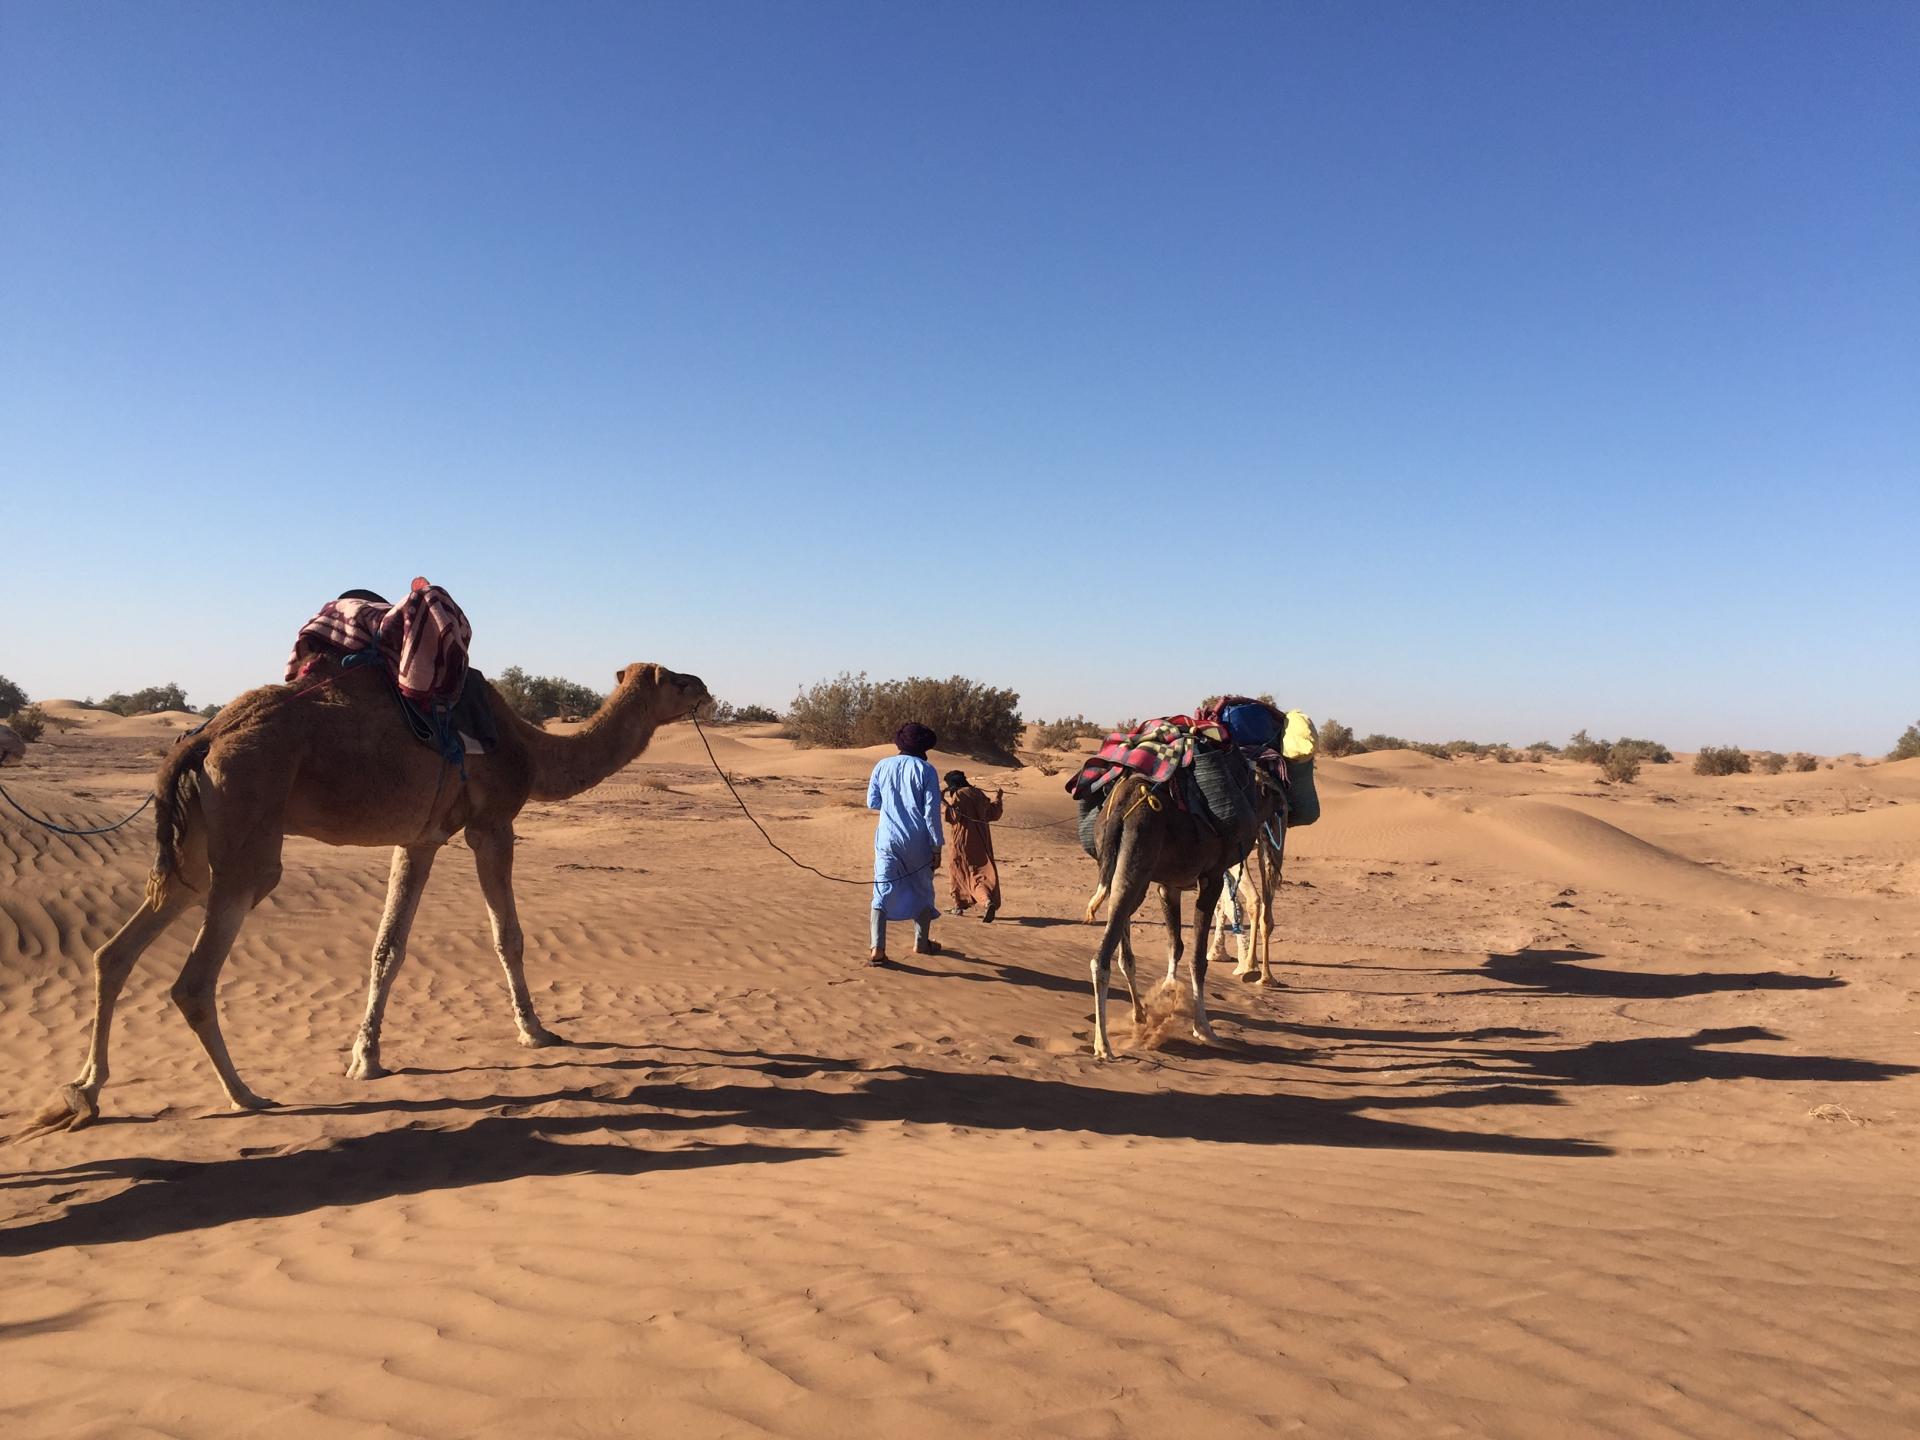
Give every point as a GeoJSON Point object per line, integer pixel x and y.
{"type": "Point", "coordinates": [1301, 738]}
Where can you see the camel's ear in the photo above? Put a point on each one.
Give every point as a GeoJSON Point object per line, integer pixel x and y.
{"type": "Point", "coordinates": [620, 677]}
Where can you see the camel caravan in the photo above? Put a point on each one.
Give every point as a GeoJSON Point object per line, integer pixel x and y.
{"type": "Point", "coordinates": [383, 735]}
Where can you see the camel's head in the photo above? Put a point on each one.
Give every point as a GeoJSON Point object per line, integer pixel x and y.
{"type": "Point", "coordinates": [676, 696]}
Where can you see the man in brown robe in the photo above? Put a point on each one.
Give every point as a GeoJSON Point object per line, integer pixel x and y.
{"type": "Point", "coordinates": [970, 866]}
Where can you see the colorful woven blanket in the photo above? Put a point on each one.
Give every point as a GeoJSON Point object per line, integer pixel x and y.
{"type": "Point", "coordinates": [1154, 751]}
{"type": "Point", "coordinates": [422, 640]}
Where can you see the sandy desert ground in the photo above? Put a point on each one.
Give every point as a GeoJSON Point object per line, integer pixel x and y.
{"type": "Point", "coordinates": [1583, 1110]}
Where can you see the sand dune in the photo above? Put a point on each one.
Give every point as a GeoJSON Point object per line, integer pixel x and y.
{"type": "Point", "coordinates": [1582, 1111]}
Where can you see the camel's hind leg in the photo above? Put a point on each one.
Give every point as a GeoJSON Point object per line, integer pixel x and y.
{"type": "Point", "coordinates": [195, 992]}
{"type": "Point", "coordinates": [1130, 889]}
{"type": "Point", "coordinates": [1170, 907]}
{"type": "Point", "coordinates": [493, 859]}
{"type": "Point", "coordinates": [112, 963]}
{"type": "Point", "coordinates": [1203, 907]}
{"type": "Point", "coordinates": [79, 1103]}
{"type": "Point", "coordinates": [406, 882]}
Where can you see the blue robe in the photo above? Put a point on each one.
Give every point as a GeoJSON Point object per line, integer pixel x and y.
{"type": "Point", "coordinates": [906, 791]}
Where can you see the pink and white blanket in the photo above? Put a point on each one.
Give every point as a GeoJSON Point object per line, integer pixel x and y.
{"type": "Point", "coordinates": [423, 640]}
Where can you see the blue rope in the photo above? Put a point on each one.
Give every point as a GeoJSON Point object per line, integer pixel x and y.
{"type": "Point", "coordinates": [66, 830]}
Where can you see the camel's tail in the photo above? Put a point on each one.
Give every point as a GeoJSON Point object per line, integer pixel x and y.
{"type": "Point", "coordinates": [1109, 834]}
{"type": "Point", "coordinates": [174, 790]}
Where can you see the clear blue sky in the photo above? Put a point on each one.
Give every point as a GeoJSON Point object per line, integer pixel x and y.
{"type": "Point", "coordinates": [1454, 369]}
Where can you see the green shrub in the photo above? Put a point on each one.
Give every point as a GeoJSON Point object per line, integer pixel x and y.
{"type": "Point", "coordinates": [1722, 760]}
{"type": "Point", "coordinates": [1800, 762]}
{"type": "Point", "coordinates": [148, 701]}
{"type": "Point", "coordinates": [545, 697]}
{"type": "Point", "coordinates": [755, 715]}
{"type": "Point", "coordinates": [1770, 762]}
{"type": "Point", "coordinates": [12, 698]}
{"type": "Point", "coordinates": [1377, 741]}
{"type": "Point", "coordinates": [1337, 740]}
{"type": "Point", "coordinates": [1652, 751]}
{"type": "Point", "coordinates": [1583, 747]}
{"type": "Point", "coordinates": [851, 710]}
{"type": "Point", "coordinates": [1620, 766]}
{"type": "Point", "coordinates": [1907, 747]}
{"type": "Point", "coordinates": [1059, 734]}
{"type": "Point", "coordinates": [29, 722]}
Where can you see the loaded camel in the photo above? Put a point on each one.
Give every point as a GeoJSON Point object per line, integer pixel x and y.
{"type": "Point", "coordinates": [1142, 840]}
{"type": "Point", "coordinates": [336, 761]}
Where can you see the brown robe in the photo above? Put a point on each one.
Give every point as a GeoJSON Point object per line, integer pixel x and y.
{"type": "Point", "coordinates": [970, 846]}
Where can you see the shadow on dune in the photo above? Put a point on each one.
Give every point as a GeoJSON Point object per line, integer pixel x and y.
{"type": "Point", "coordinates": [1003, 972]}
{"type": "Point", "coordinates": [1637, 1063]}
{"type": "Point", "coordinates": [184, 1195]}
{"type": "Point", "coordinates": [169, 1197]}
{"type": "Point", "coordinates": [1677, 1059]}
{"type": "Point", "coordinates": [1560, 972]}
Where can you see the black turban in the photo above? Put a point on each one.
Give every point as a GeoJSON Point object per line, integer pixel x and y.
{"type": "Point", "coordinates": [913, 738]}
{"type": "Point", "coordinates": [954, 780]}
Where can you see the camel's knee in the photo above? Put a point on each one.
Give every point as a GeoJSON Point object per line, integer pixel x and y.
{"type": "Point", "coordinates": [194, 1000]}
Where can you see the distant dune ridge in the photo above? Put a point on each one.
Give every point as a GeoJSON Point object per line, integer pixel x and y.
{"type": "Point", "coordinates": [1583, 1110]}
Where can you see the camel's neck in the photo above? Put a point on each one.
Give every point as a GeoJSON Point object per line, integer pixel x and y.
{"type": "Point", "coordinates": [564, 765]}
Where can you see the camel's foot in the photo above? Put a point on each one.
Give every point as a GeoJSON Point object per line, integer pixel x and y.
{"type": "Point", "coordinates": [538, 1037]}
{"type": "Point", "coordinates": [246, 1102]}
{"type": "Point", "coordinates": [1101, 1049]}
{"type": "Point", "coordinates": [366, 1067]}
{"type": "Point", "coordinates": [71, 1109]}
{"type": "Point", "coordinates": [1203, 1032]}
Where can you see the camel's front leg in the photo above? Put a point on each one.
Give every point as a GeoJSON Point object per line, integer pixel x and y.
{"type": "Point", "coordinates": [493, 859]}
{"type": "Point", "coordinates": [406, 882]}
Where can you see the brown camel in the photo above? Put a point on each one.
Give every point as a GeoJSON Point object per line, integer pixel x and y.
{"type": "Point", "coordinates": [1144, 840]}
{"type": "Point", "coordinates": [336, 761]}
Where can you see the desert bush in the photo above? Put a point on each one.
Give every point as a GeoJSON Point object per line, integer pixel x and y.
{"type": "Point", "coordinates": [1542, 747]}
{"type": "Point", "coordinates": [1584, 747]}
{"type": "Point", "coordinates": [1722, 760]}
{"type": "Point", "coordinates": [207, 712]}
{"type": "Point", "coordinates": [1770, 762]}
{"type": "Point", "coordinates": [1652, 751]}
{"type": "Point", "coordinates": [29, 722]}
{"type": "Point", "coordinates": [1907, 747]}
{"type": "Point", "coordinates": [1337, 739]}
{"type": "Point", "coordinates": [1377, 741]}
{"type": "Point", "coordinates": [12, 698]}
{"type": "Point", "coordinates": [1059, 734]}
{"type": "Point", "coordinates": [722, 712]}
{"type": "Point", "coordinates": [147, 701]}
{"type": "Point", "coordinates": [851, 710]}
{"type": "Point", "coordinates": [543, 697]}
{"type": "Point", "coordinates": [1800, 762]}
{"type": "Point", "coordinates": [829, 713]}
{"type": "Point", "coordinates": [1621, 765]}
{"type": "Point", "coordinates": [1504, 754]}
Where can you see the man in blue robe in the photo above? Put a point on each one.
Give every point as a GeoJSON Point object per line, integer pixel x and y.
{"type": "Point", "coordinates": [905, 789]}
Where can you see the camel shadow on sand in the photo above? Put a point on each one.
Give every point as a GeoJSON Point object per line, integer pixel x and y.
{"type": "Point", "coordinates": [511, 1139]}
